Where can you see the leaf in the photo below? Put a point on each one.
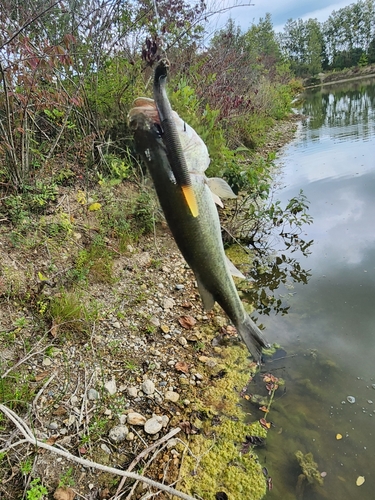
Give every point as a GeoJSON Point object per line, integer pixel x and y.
{"type": "Point", "coordinates": [187, 321]}
{"type": "Point", "coordinates": [40, 376]}
{"type": "Point", "coordinates": [263, 422]}
{"type": "Point", "coordinates": [42, 277]}
{"type": "Point", "coordinates": [64, 493]}
{"type": "Point", "coordinates": [95, 206]}
{"type": "Point", "coordinates": [181, 366]}
{"type": "Point", "coordinates": [81, 197]}
{"type": "Point", "coordinates": [338, 436]}
{"type": "Point", "coordinates": [360, 480]}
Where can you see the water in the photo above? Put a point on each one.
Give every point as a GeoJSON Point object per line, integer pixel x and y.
{"type": "Point", "coordinates": [329, 332]}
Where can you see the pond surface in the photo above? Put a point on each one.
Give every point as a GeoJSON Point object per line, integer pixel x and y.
{"type": "Point", "coordinates": [329, 332]}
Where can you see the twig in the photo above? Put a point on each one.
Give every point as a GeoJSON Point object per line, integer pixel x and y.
{"type": "Point", "coordinates": [145, 452]}
{"type": "Point", "coordinates": [25, 430]}
{"type": "Point", "coordinates": [40, 392]}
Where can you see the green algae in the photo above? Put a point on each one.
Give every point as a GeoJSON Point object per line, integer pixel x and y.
{"type": "Point", "coordinates": [309, 468]}
{"type": "Point", "coordinates": [214, 461]}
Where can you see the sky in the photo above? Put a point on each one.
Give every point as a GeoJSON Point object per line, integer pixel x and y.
{"type": "Point", "coordinates": [280, 10]}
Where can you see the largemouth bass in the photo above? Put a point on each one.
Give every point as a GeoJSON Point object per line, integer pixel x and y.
{"type": "Point", "coordinates": [198, 237]}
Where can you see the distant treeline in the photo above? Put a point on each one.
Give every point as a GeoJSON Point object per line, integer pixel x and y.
{"type": "Point", "coordinates": [346, 39]}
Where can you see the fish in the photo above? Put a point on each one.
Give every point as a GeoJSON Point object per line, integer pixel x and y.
{"type": "Point", "coordinates": [198, 237]}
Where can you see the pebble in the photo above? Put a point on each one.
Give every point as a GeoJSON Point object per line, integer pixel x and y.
{"type": "Point", "coordinates": [105, 448]}
{"type": "Point", "coordinates": [116, 324]}
{"type": "Point", "coordinates": [53, 426]}
{"type": "Point", "coordinates": [46, 362]}
{"type": "Point", "coordinates": [168, 303]}
{"type": "Point", "coordinates": [179, 287]}
{"type": "Point", "coordinates": [350, 399]}
{"type": "Point", "coordinates": [370, 402]}
{"type": "Point", "coordinates": [172, 396]}
{"type": "Point", "coordinates": [153, 425]}
{"type": "Point", "coordinates": [132, 392]}
{"type": "Point", "coordinates": [135, 418]}
{"type": "Point", "coordinates": [118, 433]}
{"type": "Point", "coordinates": [373, 386]}
{"type": "Point", "coordinates": [182, 341]}
{"type": "Point", "coordinates": [74, 400]}
{"type": "Point", "coordinates": [110, 386]}
{"type": "Point", "coordinates": [148, 387]}
{"type": "Point", "coordinates": [130, 436]}
{"type": "Point", "coordinates": [93, 394]}
{"type": "Point", "coordinates": [164, 420]}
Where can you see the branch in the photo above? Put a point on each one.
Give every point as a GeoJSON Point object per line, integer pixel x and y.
{"type": "Point", "coordinates": [28, 24]}
{"type": "Point", "coordinates": [25, 430]}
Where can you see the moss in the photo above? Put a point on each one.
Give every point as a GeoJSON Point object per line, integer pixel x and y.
{"type": "Point", "coordinates": [309, 468]}
{"type": "Point", "coordinates": [215, 462]}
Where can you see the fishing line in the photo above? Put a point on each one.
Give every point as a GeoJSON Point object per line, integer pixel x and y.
{"type": "Point", "coordinates": [158, 28]}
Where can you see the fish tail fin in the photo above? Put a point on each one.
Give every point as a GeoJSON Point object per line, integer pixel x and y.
{"type": "Point", "coordinates": [252, 337]}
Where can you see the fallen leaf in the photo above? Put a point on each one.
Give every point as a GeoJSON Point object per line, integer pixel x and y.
{"type": "Point", "coordinates": [54, 329]}
{"type": "Point", "coordinates": [42, 277]}
{"type": "Point", "coordinates": [64, 493]}
{"type": "Point", "coordinates": [263, 422]}
{"type": "Point", "coordinates": [264, 408]}
{"type": "Point", "coordinates": [187, 305]}
{"type": "Point", "coordinates": [360, 480]}
{"type": "Point", "coordinates": [187, 321]}
{"type": "Point", "coordinates": [338, 436]}
{"type": "Point", "coordinates": [40, 376]}
{"type": "Point", "coordinates": [181, 366]}
{"type": "Point", "coordinates": [95, 206]}
{"type": "Point", "coordinates": [81, 197]}
{"type": "Point", "coordinates": [52, 440]}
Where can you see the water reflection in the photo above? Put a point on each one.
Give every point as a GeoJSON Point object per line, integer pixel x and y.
{"type": "Point", "coordinates": [328, 332]}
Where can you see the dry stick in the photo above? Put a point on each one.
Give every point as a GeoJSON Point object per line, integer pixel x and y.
{"type": "Point", "coordinates": [25, 430]}
{"type": "Point", "coordinates": [144, 453]}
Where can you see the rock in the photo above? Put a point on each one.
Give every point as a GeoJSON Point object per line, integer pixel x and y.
{"type": "Point", "coordinates": [153, 425]}
{"type": "Point", "coordinates": [179, 287]}
{"type": "Point", "coordinates": [130, 436]}
{"type": "Point", "coordinates": [172, 396]}
{"type": "Point", "coordinates": [155, 321]}
{"type": "Point", "coordinates": [168, 303]}
{"type": "Point", "coordinates": [105, 448]}
{"type": "Point", "coordinates": [93, 395]}
{"type": "Point", "coordinates": [129, 248]}
{"type": "Point", "coordinates": [135, 418]}
{"type": "Point", "coordinates": [350, 399]}
{"type": "Point", "coordinates": [53, 426]}
{"type": "Point", "coordinates": [116, 324]}
{"type": "Point", "coordinates": [182, 341]}
{"type": "Point", "coordinates": [46, 362]}
{"type": "Point", "coordinates": [143, 259]}
{"type": "Point", "coordinates": [132, 392]}
{"type": "Point", "coordinates": [164, 420]}
{"type": "Point", "coordinates": [118, 433]}
{"type": "Point", "coordinates": [110, 386]}
{"type": "Point", "coordinates": [148, 387]}
{"type": "Point", "coordinates": [74, 400]}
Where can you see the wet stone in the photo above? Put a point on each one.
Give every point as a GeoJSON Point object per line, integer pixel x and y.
{"type": "Point", "coordinates": [350, 399]}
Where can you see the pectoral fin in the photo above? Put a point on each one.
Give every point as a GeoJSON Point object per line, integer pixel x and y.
{"type": "Point", "coordinates": [206, 296]}
{"type": "Point", "coordinates": [220, 187]}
